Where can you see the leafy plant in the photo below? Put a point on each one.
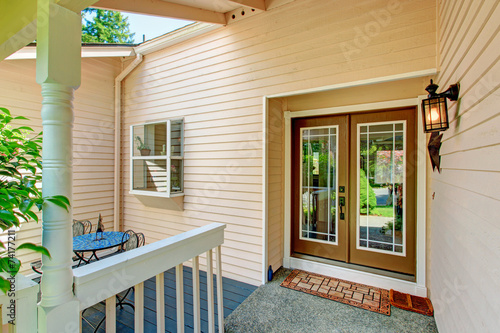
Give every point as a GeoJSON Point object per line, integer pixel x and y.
{"type": "Point", "coordinates": [140, 144]}
{"type": "Point", "coordinates": [389, 225]}
{"type": "Point", "coordinates": [367, 197]}
{"type": "Point", "coordinates": [20, 198]}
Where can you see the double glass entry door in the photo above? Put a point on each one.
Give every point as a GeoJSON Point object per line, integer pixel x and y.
{"type": "Point", "coordinates": [353, 181]}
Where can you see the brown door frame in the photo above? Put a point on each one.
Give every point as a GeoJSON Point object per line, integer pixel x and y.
{"type": "Point", "coordinates": [350, 157]}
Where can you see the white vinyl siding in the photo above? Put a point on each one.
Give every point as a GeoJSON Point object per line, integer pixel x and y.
{"type": "Point", "coordinates": [93, 137]}
{"type": "Point", "coordinates": [465, 257]}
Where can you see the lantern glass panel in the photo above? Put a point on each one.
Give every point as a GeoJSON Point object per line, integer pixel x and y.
{"type": "Point", "coordinates": [435, 114]}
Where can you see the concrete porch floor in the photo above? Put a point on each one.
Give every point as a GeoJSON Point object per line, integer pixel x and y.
{"type": "Point", "coordinates": [272, 308]}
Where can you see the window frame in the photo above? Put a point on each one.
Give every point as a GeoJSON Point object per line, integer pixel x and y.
{"type": "Point", "coordinates": [167, 157]}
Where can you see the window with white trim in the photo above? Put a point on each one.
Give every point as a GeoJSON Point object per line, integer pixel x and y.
{"type": "Point", "coordinates": [157, 158]}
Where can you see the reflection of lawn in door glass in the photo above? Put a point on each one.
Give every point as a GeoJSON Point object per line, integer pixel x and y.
{"type": "Point", "coordinates": [385, 211]}
{"type": "Point", "coordinates": [380, 222]}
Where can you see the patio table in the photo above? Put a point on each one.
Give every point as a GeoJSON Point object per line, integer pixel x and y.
{"type": "Point", "coordinates": [89, 243]}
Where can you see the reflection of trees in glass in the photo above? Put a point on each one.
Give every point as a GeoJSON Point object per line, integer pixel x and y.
{"type": "Point", "coordinates": [317, 180]}
{"type": "Point", "coordinates": [379, 154]}
{"type": "Point", "coordinates": [369, 154]}
{"type": "Point", "coordinates": [384, 163]}
{"type": "Point", "coordinates": [389, 225]}
{"type": "Point", "coordinates": [367, 198]}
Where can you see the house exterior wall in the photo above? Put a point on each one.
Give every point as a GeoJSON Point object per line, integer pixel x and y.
{"type": "Point", "coordinates": [465, 212]}
{"type": "Point", "coordinates": [93, 137]}
{"type": "Point", "coordinates": [275, 183]}
{"type": "Point", "coordinates": [217, 82]}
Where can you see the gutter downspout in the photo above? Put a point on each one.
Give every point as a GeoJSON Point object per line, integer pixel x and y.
{"type": "Point", "coordinates": [118, 129]}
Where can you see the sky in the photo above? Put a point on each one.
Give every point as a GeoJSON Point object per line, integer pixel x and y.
{"type": "Point", "coordinates": [151, 26]}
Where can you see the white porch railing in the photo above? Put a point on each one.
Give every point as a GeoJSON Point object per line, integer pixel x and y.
{"type": "Point", "coordinates": [18, 306]}
{"type": "Point", "coordinates": [103, 279]}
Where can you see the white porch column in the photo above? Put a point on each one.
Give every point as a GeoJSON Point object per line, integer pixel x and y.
{"type": "Point", "coordinates": [58, 72]}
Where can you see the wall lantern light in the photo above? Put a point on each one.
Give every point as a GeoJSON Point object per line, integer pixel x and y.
{"type": "Point", "coordinates": [435, 117]}
{"type": "Point", "coordinates": [435, 109]}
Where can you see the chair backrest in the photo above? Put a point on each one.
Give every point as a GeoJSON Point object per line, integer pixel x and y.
{"type": "Point", "coordinates": [87, 226]}
{"type": "Point", "coordinates": [78, 228]}
{"type": "Point", "coordinates": [132, 241]}
{"type": "Point", "coordinates": [141, 239]}
{"type": "Point", "coordinates": [135, 240]}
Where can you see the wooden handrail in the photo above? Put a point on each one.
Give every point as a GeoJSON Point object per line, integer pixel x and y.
{"type": "Point", "coordinates": [107, 277]}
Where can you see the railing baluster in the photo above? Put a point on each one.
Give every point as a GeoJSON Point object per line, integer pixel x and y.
{"type": "Point", "coordinates": [179, 293]}
{"type": "Point", "coordinates": [139, 308]}
{"type": "Point", "coordinates": [111, 314]}
{"type": "Point", "coordinates": [196, 295]}
{"type": "Point", "coordinates": [158, 258]}
{"type": "Point", "coordinates": [160, 304]}
{"type": "Point", "coordinates": [220, 295]}
{"type": "Point", "coordinates": [210, 293]}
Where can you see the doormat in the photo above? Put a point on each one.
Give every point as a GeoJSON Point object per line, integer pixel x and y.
{"type": "Point", "coordinates": [413, 303]}
{"type": "Point", "coordinates": [355, 294]}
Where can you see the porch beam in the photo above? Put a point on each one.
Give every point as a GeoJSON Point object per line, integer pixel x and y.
{"type": "Point", "coordinates": [58, 72]}
{"type": "Point", "coordinates": [163, 8]}
{"type": "Point", "coordinates": [18, 25]}
{"type": "Point", "coordinates": [76, 5]}
{"type": "Point", "coordinates": [256, 4]}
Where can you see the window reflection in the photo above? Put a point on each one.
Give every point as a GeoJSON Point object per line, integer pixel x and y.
{"type": "Point", "coordinates": [381, 187]}
{"type": "Point", "coordinates": [319, 179]}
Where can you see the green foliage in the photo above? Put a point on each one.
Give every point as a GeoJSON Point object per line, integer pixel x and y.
{"type": "Point", "coordinates": [19, 172]}
{"type": "Point", "coordinates": [105, 26]}
{"type": "Point", "coordinates": [140, 144]}
{"type": "Point", "coordinates": [322, 177]}
{"type": "Point", "coordinates": [389, 225]}
{"type": "Point", "coordinates": [386, 211]}
{"type": "Point", "coordinates": [20, 198]}
{"type": "Point", "coordinates": [366, 195]}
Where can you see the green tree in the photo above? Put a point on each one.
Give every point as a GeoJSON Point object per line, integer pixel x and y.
{"type": "Point", "coordinates": [20, 197]}
{"type": "Point", "coordinates": [105, 26]}
{"type": "Point", "coordinates": [367, 197]}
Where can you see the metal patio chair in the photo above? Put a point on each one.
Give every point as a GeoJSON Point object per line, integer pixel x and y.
{"type": "Point", "coordinates": [79, 227]}
{"type": "Point", "coordinates": [134, 241]}
{"type": "Point", "coordinates": [87, 227]}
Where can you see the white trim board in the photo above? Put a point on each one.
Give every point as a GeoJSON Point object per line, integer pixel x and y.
{"type": "Point", "coordinates": [116, 51]}
{"type": "Point", "coordinates": [417, 288]}
{"type": "Point", "coordinates": [175, 37]}
{"type": "Point", "coordinates": [265, 214]}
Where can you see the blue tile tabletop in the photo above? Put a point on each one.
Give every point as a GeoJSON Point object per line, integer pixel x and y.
{"type": "Point", "coordinates": [88, 242]}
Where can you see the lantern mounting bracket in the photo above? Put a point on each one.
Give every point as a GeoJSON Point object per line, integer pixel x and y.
{"type": "Point", "coordinates": [435, 117]}
{"type": "Point", "coordinates": [451, 93]}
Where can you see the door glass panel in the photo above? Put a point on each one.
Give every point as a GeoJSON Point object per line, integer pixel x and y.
{"type": "Point", "coordinates": [381, 182]}
{"type": "Point", "coordinates": [319, 184]}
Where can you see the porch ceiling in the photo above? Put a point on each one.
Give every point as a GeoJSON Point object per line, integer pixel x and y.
{"type": "Point", "coordinates": [210, 11]}
{"type": "Point", "coordinates": [21, 15]}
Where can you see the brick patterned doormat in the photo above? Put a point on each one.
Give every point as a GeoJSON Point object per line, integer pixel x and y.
{"type": "Point", "coordinates": [355, 294]}
{"type": "Point", "coordinates": [413, 303]}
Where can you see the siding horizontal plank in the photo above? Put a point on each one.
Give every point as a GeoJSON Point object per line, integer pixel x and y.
{"type": "Point", "coordinates": [93, 140]}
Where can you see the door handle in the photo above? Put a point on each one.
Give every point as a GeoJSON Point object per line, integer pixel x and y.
{"type": "Point", "coordinates": [342, 204]}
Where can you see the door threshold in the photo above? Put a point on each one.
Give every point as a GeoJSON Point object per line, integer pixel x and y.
{"type": "Point", "coordinates": [356, 273]}
{"type": "Point", "coordinates": [394, 275]}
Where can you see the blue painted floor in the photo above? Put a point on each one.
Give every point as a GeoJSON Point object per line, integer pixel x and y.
{"type": "Point", "coordinates": [234, 294]}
